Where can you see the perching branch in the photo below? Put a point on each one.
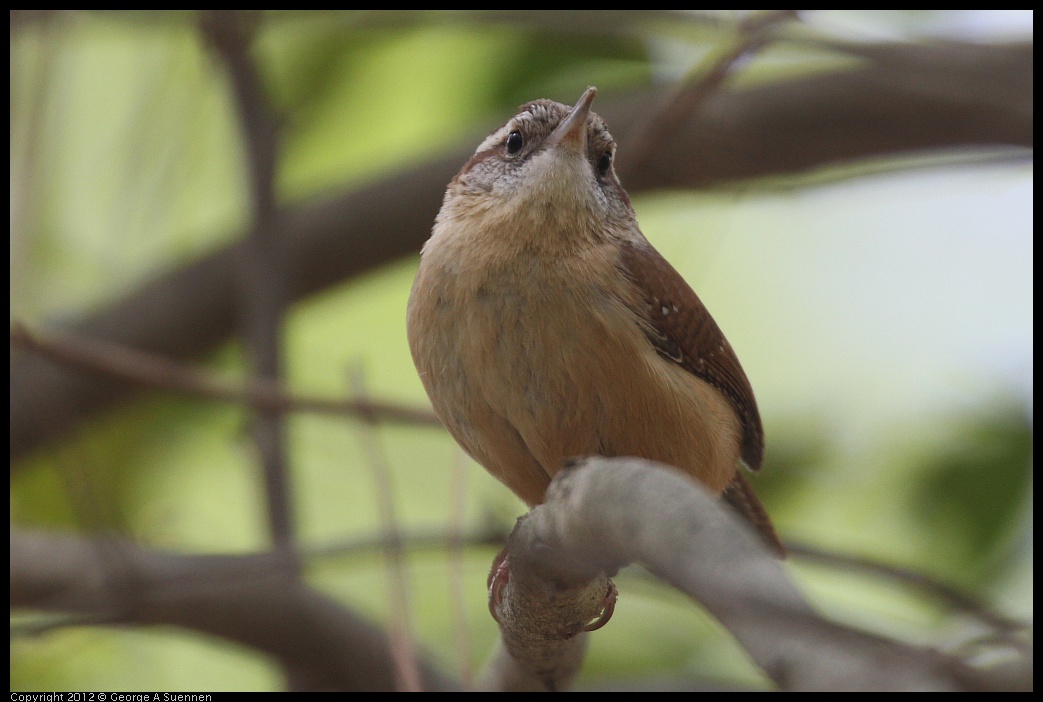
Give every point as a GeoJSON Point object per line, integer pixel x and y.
{"type": "Point", "coordinates": [596, 519]}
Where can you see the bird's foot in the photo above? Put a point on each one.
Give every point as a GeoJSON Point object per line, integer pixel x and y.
{"type": "Point", "coordinates": [500, 575]}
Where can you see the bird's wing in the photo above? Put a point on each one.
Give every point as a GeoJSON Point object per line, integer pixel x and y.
{"type": "Point", "coordinates": [682, 330]}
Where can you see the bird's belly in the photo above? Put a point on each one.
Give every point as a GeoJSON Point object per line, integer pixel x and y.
{"type": "Point", "coordinates": [526, 382]}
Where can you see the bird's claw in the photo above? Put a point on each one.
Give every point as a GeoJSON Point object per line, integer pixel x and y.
{"type": "Point", "coordinates": [607, 609]}
{"type": "Point", "coordinates": [500, 575]}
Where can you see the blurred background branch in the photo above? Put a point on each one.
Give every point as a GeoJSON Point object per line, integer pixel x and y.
{"type": "Point", "coordinates": [256, 600]}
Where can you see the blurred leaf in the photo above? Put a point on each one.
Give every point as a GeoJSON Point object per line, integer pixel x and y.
{"type": "Point", "coordinates": [972, 492]}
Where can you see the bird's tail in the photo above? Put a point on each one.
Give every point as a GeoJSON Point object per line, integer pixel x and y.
{"type": "Point", "coordinates": [739, 494]}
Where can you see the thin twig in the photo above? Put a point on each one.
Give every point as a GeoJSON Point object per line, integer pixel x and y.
{"type": "Point", "coordinates": [91, 355]}
{"type": "Point", "coordinates": [700, 84]}
{"type": "Point", "coordinates": [457, 599]}
{"type": "Point", "coordinates": [403, 648]}
{"type": "Point", "coordinates": [948, 594]}
{"type": "Point", "coordinates": [434, 539]}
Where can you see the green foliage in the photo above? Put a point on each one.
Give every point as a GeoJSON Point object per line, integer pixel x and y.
{"type": "Point", "coordinates": [972, 493]}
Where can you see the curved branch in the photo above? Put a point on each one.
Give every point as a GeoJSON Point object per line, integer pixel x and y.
{"type": "Point", "coordinates": [596, 520]}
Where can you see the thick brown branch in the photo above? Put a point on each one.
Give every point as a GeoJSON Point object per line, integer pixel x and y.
{"type": "Point", "coordinates": [905, 100]}
{"type": "Point", "coordinates": [254, 599]}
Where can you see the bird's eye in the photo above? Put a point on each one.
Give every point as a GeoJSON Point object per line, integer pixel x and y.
{"type": "Point", "coordinates": [605, 162]}
{"type": "Point", "coordinates": [514, 142]}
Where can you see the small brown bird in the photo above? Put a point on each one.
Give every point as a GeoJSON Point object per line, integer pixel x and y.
{"type": "Point", "coordinates": [544, 325]}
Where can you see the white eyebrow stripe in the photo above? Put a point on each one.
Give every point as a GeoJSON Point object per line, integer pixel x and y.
{"type": "Point", "coordinates": [495, 138]}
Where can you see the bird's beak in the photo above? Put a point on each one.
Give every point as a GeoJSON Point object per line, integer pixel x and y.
{"type": "Point", "coordinates": [572, 132]}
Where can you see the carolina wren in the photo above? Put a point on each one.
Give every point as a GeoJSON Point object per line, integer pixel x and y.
{"type": "Point", "coordinates": [545, 326]}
